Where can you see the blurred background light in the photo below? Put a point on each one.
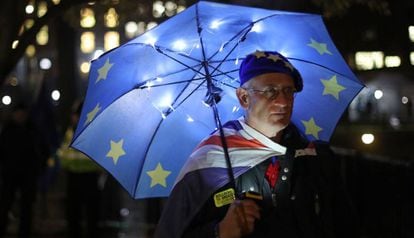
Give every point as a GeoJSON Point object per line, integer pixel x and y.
{"type": "Point", "coordinates": [158, 9]}
{"type": "Point", "coordinates": [30, 51]}
{"type": "Point", "coordinates": [42, 37]}
{"type": "Point", "coordinates": [111, 40]}
{"type": "Point", "coordinates": [180, 8]}
{"type": "Point", "coordinates": [392, 61]}
{"type": "Point", "coordinates": [131, 29]}
{"type": "Point", "coordinates": [366, 60]}
{"type": "Point", "coordinates": [404, 100]}
{"type": "Point", "coordinates": [29, 8]}
{"type": "Point", "coordinates": [84, 67]}
{"type": "Point", "coordinates": [170, 8]}
{"type": "Point", "coordinates": [6, 100]}
{"type": "Point", "coordinates": [367, 138]}
{"type": "Point", "coordinates": [28, 23]}
{"type": "Point", "coordinates": [87, 18]}
{"type": "Point", "coordinates": [45, 63]}
{"type": "Point", "coordinates": [395, 122]}
{"type": "Point", "coordinates": [87, 43]}
{"type": "Point", "coordinates": [97, 53]}
{"type": "Point", "coordinates": [55, 95]}
{"type": "Point", "coordinates": [14, 81]}
{"type": "Point", "coordinates": [14, 44]}
{"type": "Point", "coordinates": [411, 33]}
{"type": "Point", "coordinates": [124, 212]}
{"type": "Point", "coordinates": [378, 94]}
{"type": "Point", "coordinates": [141, 27]}
{"type": "Point", "coordinates": [111, 18]}
{"type": "Point", "coordinates": [41, 9]}
{"type": "Point", "coordinates": [151, 25]}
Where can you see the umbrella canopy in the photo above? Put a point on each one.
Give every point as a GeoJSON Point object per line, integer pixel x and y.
{"type": "Point", "coordinates": [149, 102]}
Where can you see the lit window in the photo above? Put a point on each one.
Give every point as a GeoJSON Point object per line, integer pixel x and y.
{"type": "Point", "coordinates": [87, 18]}
{"type": "Point", "coordinates": [369, 60]}
{"type": "Point", "coordinates": [30, 51]}
{"type": "Point", "coordinates": [111, 40]}
{"type": "Point", "coordinates": [87, 42]}
{"type": "Point", "coordinates": [392, 61]}
{"type": "Point", "coordinates": [111, 18]}
{"type": "Point", "coordinates": [411, 33]}
{"type": "Point", "coordinates": [42, 36]}
{"type": "Point", "coordinates": [412, 58]}
{"type": "Point", "coordinates": [41, 9]}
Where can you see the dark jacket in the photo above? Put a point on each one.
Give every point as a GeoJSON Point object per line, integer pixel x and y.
{"type": "Point", "coordinates": [309, 199]}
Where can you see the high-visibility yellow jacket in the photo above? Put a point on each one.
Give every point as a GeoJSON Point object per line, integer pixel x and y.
{"type": "Point", "coordinates": [73, 160]}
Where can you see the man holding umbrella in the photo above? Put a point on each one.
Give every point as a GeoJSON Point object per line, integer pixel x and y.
{"type": "Point", "coordinates": [285, 186]}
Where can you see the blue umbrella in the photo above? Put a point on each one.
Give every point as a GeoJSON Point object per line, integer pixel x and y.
{"type": "Point", "coordinates": [151, 101]}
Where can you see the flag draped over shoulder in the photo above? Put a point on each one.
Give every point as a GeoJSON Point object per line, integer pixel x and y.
{"type": "Point", "coordinates": [206, 171]}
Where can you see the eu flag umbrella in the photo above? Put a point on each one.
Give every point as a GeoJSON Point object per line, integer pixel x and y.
{"type": "Point", "coordinates": [150, 101]}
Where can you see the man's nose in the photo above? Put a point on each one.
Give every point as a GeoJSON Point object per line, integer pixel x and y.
{"type": "Point", "coordinates": [282, 99]}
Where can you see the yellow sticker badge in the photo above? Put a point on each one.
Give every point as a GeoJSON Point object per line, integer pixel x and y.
{"type": "Point", "coordinates": [225, 197]}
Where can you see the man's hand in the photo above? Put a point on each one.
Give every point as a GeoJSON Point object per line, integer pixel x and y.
{"type": "Point", "coordinates": [239, 220]}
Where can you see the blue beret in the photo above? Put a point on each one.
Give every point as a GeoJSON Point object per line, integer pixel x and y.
{"type": "Point", "coordinates": [262, 62]}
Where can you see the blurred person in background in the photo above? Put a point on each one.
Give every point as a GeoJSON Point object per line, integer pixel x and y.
{"type": "Point", "coordinates": [22, 159]}
{"type": "Point", "coordinates": [83, 190]}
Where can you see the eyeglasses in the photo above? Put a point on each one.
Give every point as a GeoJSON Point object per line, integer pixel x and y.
{"type": "Point", "coordinates": [273, 92]}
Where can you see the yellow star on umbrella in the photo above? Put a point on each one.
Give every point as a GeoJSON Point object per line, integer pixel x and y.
{"type": "Point", "coordinates": [322, 48]}
{"type": "Point", "coordinates": [332, 87]}
{"type": "Point", "coordinates": [91, 115]}
{"type": "Point", "coordinates": [158, 176]}
{"type": "Point", "coordinates": [274, 57]}
{"type": "Point", "coordinates": [311, 128]}
{"type": "Point", "coordinates": [103, 71]}
{"type": "Point", "coordinates": [259, 54]}
{"type": "Point", "coordinates": [116, 150]}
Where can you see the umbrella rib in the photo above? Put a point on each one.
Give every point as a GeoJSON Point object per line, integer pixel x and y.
{"type": "Point", "coordinates": [158, 48]}
{"type": "Point", "coordinates": [174, 59]}
{"type": "Point", "coordinates": [246, 30]}
{"type": "Point", "coordinates": [316, 64]}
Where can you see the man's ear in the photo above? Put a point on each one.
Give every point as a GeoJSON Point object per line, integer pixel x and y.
{"type": "Point", "coordinates": [243, 97]}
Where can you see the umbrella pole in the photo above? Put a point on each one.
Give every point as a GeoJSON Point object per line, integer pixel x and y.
{"type": "Point", "coordinates": [212, 98]}
{"type": "Point", "coordinates": [230, 173]}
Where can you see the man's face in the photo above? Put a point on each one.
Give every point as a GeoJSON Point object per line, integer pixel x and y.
{"type": "Point", "coordinates": [268, 101]}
